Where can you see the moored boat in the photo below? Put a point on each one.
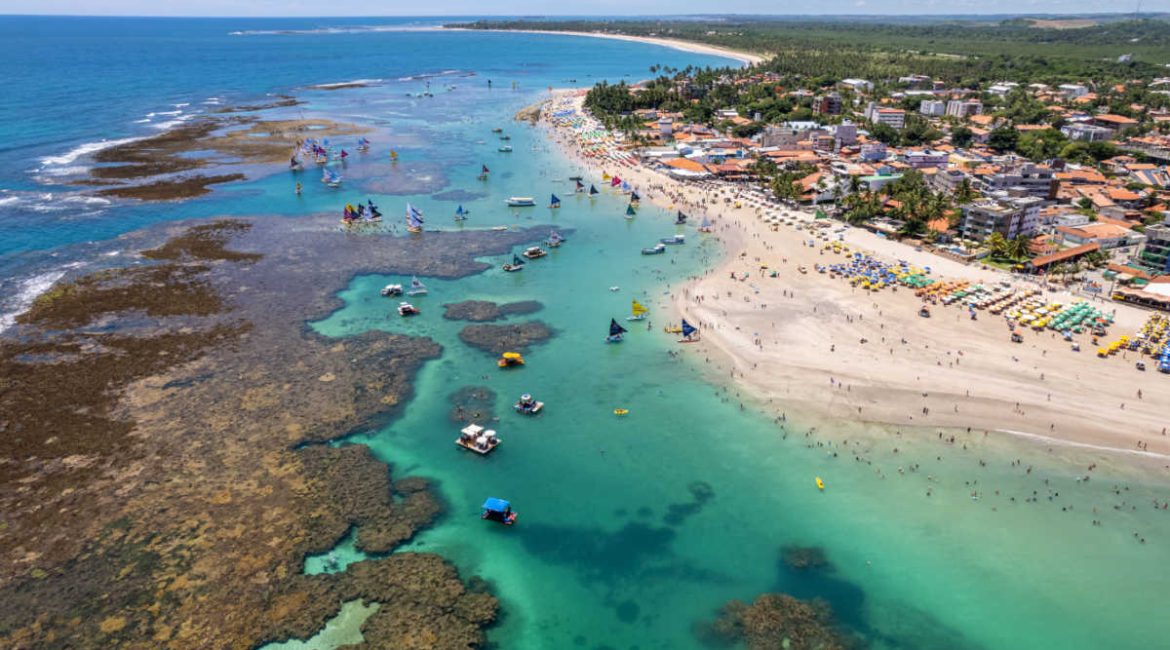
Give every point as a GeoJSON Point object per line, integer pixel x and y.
{"type": "Point", "coordinates": [516, 265]}
{"type": "Point", "coordinates": [498, 510]}
{"type": "Point", "coordinates": [414, 219]}
{"type": "Point", "coordinates": [417, 288]}
{"type": "Point", "coordinates": [534, 252]}
{"type": "Point", "coordinates": [527, 405]}
{"type": "Point", "coordinates": [406, 309]}
{"type": "Point", "coordinates": [505, 149]}
{"type": "Point", "coordinates": [616, 332]}
{"type": "Point", "coordinates": [478, 439]}
{"type": "Point", "coordinates": [638, 311]}
{"type": "Point", "coordinates": [677, 239]}
{"type": "Point", "coordinates": [521, 201]}
{"type": "Point", "coordinates": [510, 360]}
{"type": "Point", "coordinates": [392, 290]}
{"type": "Point", "coordinates": [690, 333]}
{"type": "Point", "coordinates": [657, 249]}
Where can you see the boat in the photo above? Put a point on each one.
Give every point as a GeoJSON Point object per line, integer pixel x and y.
{"type": "Point", "coordinates": [820, 484]}
{"type": "Point", "coordinates": [634, 198]}
{"type": "Point", "coordinates": [705, 225]}
{"type": "Point", "coordinates": [554, 240]}
{"type": "Point", "coordinates": [605, 176]}
{"type": "Point", "coordinates": [498, 510]}
{"type": "Point", "coordinates": [414, 219]}
{"type": "Point", "coordinates": [577, 178]}
{"type": "Point", "coordinates": [461, 214]}
{"type": "Point", "coordinates": [615, 182]}
{"type": "Point", "coordinates": [671, 328]}
{"type": "Point", "coordinates": [593, 191]}
{"type": "Point", "coordinates": [630, 212]}
{"type": "Point", "coordinates": [483, 174]}
{"type": "Point", "coordinates": [393, 156]}
{"type": "Point", "coordinates": [658, 249]}
{"type": "Point", "coordinates": [621, 412]}
{"type": "Point", "coordinates": [516, 265]}
{"type": "Point", "coordinates": [330, 179]}
{"type": "Point", "coordinates": [690, 333]}
{"type": "Point", "coordinates": [579, 188]}
{"type": "Point", "coordinates": [615, 288]}
{"type": "Point", "coordinates": [407, 309]}
{"type": "Point", "coordinates": [478, 439]}
{"type": "Point", "coordinates": [417, 288]}
{"type": "Point", "coordinates": [363, 145]}
{"type": "Point", "coordinates": [392, 290]}
{"type": "Point", "coordinates": [680, 218]}
{"type": "Point", "coordinates": [677, 239]}
{"type": "Point", "coordinates": [638, 311]}
{"type": "Point", "coordinates": [625, 189]}
{"type": "Point", "coordinates": [526, 405]}
{"type": "Point", "coordinates": [534, 252]}
{"type": "Point", "coordinates": [521, 201]}
{"type": "Point", "coordinates": [554, 202]}
{"type": "Point", "coordinates": [505, 149]}
{"type": "Point", "coordinates": [510, 360]}
{"type": "Point", "coordinates": [1016, 338]}
{"type": "Point", "coordinates": [505, 137]}
{"type": "Point", "coordinates": [924, 312]}
{"type": "Point", "coordinates": [615, 332]}
{"type": "Point", "coordinates": [497, 130]}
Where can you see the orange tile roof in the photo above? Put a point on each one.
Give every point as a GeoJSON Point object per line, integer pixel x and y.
{"type": "Point", "coordinates": [1119, 120]}
{"type": "Point", "coordinates": [1122, 194]}
{"type": "Point", "coordinates": [685, 164]}
{"type": "Point", "coordinates": [1045, 260]}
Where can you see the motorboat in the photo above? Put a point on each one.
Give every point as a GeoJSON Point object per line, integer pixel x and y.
{"type": "Point", "coordinates": [677, 239]}
{"type": "Point", "coordinates": [527, 405]}
{"type": "Point", "coordinates": [521, 202]}
{"type": "Point", "coordinates": [657, 249]}
{"type": "Point", "coordinates": [478, 439]}
{"type": "Point", "coordinates": [392, 290]}
{"type": "Point", "coordinates": [510, 360]}
{"type": "Point", "coordinates": [534, 252]}
{"type": "Point", "coordinates": [498, 510]}
{"type": "Point", "coordinates": [505, 149]}
{"type": "Point", "coordinates": [407, 309]}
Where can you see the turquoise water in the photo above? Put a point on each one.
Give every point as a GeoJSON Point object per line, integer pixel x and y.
{"type": "Point", "coordinates": [631, 530]}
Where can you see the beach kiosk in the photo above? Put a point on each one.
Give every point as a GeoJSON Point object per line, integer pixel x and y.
{"type": "Point", "coordinates": [498, 510]}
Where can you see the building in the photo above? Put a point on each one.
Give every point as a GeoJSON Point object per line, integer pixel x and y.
{"type": "Point", "coordinates": [858, 85]}
{"type": "Point", "coordinates": [932, 107]}
{"type": "Point", "coordinates": [1156, 252]}
{"type": "Point", "coordinates": [1112, 122]}
{"type": "Point", "coordinates": [1044, 263]}
{"type": "Point", "coordinates": [891, 117]}
{"type": "Point", "coordinates": [962, 108]}
{"type": "Point", "coordinates": [873, 152]}
{"type": "Point", "coordinates": [829, 104]}
{"type": "Point", "coordinates": [1105, 235]}
{"type": "Point", "coordinates": [846, 134]}
{"type": "Point", "coordinates": [947, 180]}
{"type": "Point", "coordinates": [1011, 218]}
{"type": "Point", "coordinates": [1002, 88]}
{"type": "Point", "coordinates": [1084, 132]}
{"type": "Point", "coordinates": [1034, 180]}
{"type": "Point", "coordinates": [666, 127]}
{"type": "Point", "coordinates": [1072, 91]}
{"type": "Point", "coordinates": [920, 158]}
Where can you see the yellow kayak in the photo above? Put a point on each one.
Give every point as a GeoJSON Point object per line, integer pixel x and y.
{"type": "Point", "coordinates": [621, 411]}
{"type": "Point", "coordinates": [820, 484]}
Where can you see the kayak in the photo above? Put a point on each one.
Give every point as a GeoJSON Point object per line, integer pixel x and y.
{"type": "Point", "coordinates": [621, 411]}
{"type": "Point", "coordinates": [820, 484]}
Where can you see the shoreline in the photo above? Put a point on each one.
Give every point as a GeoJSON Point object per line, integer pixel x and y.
{"type": "Point", "coordinates": [824, 361]}
{"type": "Point", "coordinates": [745, 58]}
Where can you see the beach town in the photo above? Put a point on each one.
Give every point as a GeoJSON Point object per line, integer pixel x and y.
{"type": "Point", "coordinates": [925, 330]}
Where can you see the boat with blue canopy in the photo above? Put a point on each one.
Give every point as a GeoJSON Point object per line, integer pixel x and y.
{"type": "Point", "coordinates": [498, 510]}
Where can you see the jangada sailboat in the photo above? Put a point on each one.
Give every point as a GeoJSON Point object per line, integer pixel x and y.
{"type": "Point", "coordinates": [615, 332]}
{"type": "Point", "coordinates": [638, 311]}
{"type": "Point", "coordinates": [705, 225]}
{"type": "Point", "coordinates": [690, 333]}
{"type": "Point", "coordinates": [414, 220]}
{"type": "Point", "coordinates": [593, 191]}
{"type": "Point", "coordinates": [516, 265]}
{"type": "Point", "coordinates": [554, 202]}
{"type": "Point", "coordinates": [461, 214]}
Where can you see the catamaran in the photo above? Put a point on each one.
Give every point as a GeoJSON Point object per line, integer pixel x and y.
{"type": "Point", "coordinates": [475, 438]}
{"type": "Point", "coordinates": [528, 405]}
{"type": "Point", "coordinates": [414, 220]}
{"type": "Point", "coordinates": [461, 214]}
{"type": "Point", "coordinates": [392, 290]}
{"type": "Point", "coordinates": [406, 309]}
{"type": "Point", "coordinates": [534, 252]}
{"type": "Point", "coordinates": [417, 288]}
{"type": "Point", "coordinates": [615, 332]}
{"type": "Point", "coordinates": [690, 333]}
{"type": "Point", "coordinates": [639, 311]}
{"type": "Point", "coordinates": [521, 201]}
{"type": "Point", "coordinates": [516, 265]}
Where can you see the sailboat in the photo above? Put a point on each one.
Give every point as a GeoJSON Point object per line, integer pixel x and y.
{"type": "Point", "coordinates": [330, 179]}
{"type": "Point", "coordinates": [630, 213]}
{"type": "Point", "coordinates": [690, 333]}
{"type": "Point", "coordinates": [393, 156]}
{"type": "Point", "coordinates": [554, 202]}
{"type": "Point", "coordinates": [580, 187]}
{"type": "Point", "coordinates": [554, 239]}
{"type": "Point", "coordinates": [417, 288]}
{"type": "Point", "coordinates": [680, 219]}
{"type": "Point", "coordinates": [634, 198]}
{"type": "Point", "coordinates": [705, 225]}
{"type": "Point", "coordinates": [638, 312]}
{"type": "Point", "coordinates": [626, 188]}
{"type": "Point", "coordinates": [414, 220]}
{"type": "Point", "coordinates": [483, 174]}
{"type": "Point", "coordinates": [615, 182]}
{"type": "Point", "coordinates": [605, 176]}
{"type": "Point", "coordinates": [461, 214]}
{"type": "Point", "coordinates": [363, 145]}
{"type": "Point", "coordinates": [516, 265]}
{"type": "Point", "coordinates": [593, 191]}
{"type": "Point", "coordinates": [615, 332]}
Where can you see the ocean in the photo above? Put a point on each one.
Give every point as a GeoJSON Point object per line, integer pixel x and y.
{"type": "Point", "coordinates": [633, 531]}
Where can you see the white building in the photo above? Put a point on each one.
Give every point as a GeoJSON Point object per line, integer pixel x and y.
{"type": "Point", "coordinates": [858, 85]}
{"type": "Point", "coordinates": [964, 107]}
{"type": "Point", "coordinates": [932, 107]}
{"type": "Point", "coordinates": [1002, 88]}
{"type": "Point", "coordinates": [921, 158]}
{"type": "Point", "coordinates": [1072, 91]}
{"type": "Point", "coordinates": [892, 117]}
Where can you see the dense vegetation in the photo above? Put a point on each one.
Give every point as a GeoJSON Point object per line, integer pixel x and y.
{"type": "Point", "coordinates": [961, 52]}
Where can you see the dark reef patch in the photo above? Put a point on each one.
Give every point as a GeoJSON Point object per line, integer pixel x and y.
{"type": "Point", "coordinates": [498, 339]}
{"type": "Point", "coordinates": [472, 404]}
{"type": "Point", "coordinates": [483, 311]}
{"type": "Point", "coordinates": [458, 195]}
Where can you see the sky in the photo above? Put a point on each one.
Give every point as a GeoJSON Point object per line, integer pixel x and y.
{"type": "Point", "coordinates": [340, 8]}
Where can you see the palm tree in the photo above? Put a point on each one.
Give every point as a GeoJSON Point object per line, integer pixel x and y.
{"type": "Point", "coordinates": [996, 245]}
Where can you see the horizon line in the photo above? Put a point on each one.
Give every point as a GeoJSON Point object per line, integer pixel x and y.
{"type": "Point", "coordinates": [599, 17]}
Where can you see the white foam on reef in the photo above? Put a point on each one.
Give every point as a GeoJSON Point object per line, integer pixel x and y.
{"type": "Point", "coordinates": [84, 150]}
{"type": "Point", "coordinates": [27, 291]}
{"type": "Point", "coordinates": [353, 29]}
{"type": "Point", "coordinates": [343, 84]}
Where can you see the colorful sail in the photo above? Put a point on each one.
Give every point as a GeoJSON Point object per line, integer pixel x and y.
{"type": "Point", "coordinates": [554, 202]}
{"type": "Point", "coordinates": [460, 213]}
{"type": "Point", "coordinates": [485, 170]}
{"type": "Point", "coordinates": [580, 187]}
{"type": "Point", "coordinates": [614, 328]}
{"type": "Point", "coordinates": [516, 261]}
{"type": "Point", "coordinates": [393, 155]}
{"type": "Point", "coordinates": [705, 225]}
{"type": "Point", "coordinates": [414, 220]}
{"type": "Point", "coordinates": [634, 196]}
{"type": "Point", "coordinates": [638, 309]}
{"type": "Point", "coordinates": [681, 218]}
{"type": "Point", "coordinates": [630, 211]}
{"type": "Point", "coordinates": [593, 190]}
{"type": "Point", "coordinates": [616, 182]}
{"type": "Point", "coordinates": [688, 329]}
{"type": "Point", "coordinates": [605, 176]}
{"type": "Point", "coordinates": [626, 187]}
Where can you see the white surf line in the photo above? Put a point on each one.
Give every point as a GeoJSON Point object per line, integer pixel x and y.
{"type": "Point", "coordinates": [1082, 445]}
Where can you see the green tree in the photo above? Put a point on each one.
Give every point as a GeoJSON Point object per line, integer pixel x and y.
{"type": "Point", "coordinates": [1003, 138]}
{"type": "Point", "coordinates": [962, 136]}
